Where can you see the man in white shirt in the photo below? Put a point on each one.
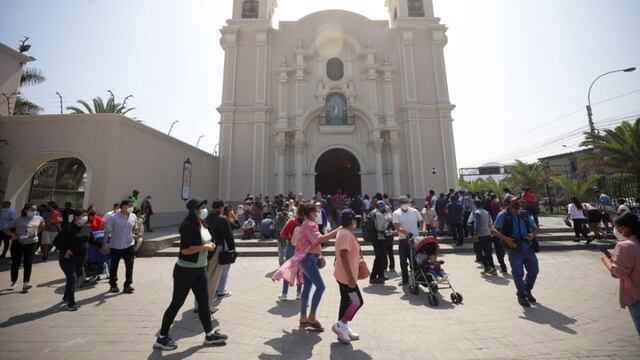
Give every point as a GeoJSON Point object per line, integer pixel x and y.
{"type": "Point", "coordinates": [622, 206]}
{"type": "Point", "coordinates": [115, 209]}
{"type": "Point", "coordinates": [119, 237]}
{"type": "Point", "coordinates": [406, 220]}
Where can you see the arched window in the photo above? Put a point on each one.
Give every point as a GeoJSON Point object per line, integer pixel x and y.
{"type": "Point", "coordinates": [250, 9]}
{"type": "Point", "coordinates": [416, 8]}
{"type": "Point", "coordinates": [62, 180]}
{"type": "Point", "coordinates": [336, 109]}
{"type": "Point", "coordinates": [335, 69]}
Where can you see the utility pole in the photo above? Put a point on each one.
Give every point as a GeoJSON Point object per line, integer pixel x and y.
{"type": "Point", "coordinates": [592, 127]}
{"type": "Point", "coordinates": [171, 128]}
{"type": "Point", "coordinates": [198, 143]}
{"type": "Point", "coordinates": [60, 96]}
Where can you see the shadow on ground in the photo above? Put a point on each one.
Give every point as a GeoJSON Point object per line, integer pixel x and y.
{"type": "Point", "coordinates": [541, 314]}
{"type": "Point", "coordinates": [295, 344]}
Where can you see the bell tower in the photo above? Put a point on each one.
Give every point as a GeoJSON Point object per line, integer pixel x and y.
{"type": "Point", "coordinates": [254, 9]}
{"type": "Point", "coordinates": [403, 9]}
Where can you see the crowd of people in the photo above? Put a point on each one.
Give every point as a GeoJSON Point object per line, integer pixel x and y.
{"type": "Point", "coordinates": [508, 223]}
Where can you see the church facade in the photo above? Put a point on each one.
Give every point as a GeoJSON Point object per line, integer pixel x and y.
{"type": "Point", "coordinates": [335, 101]}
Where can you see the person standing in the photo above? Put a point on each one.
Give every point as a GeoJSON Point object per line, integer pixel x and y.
{"type": "Point", "coordinates": [24, 241]}
{"type": "Point", "coordinates": [622, 206]}
{"type": "Point", "coordinates": [94, 221]}
{"type": "Point", "coordinates": [321, 217]}
{"type": "Point", "coordinates": [517, 231]}
{"type": "Point", "coordinates": [52, 227]}
{"type": "Point", "coordinates": [406, 221]}
{"type": "Point", "coordinates": [348, 255]}
{"type": "Point", "coordinates": [482, 236]}
{"type": "Point", "coordinates": [455, 216]}
{"type": "Point", "coordinates": [282, 217]}
{"type": "Point", "coordinates": [135, 200]}
{"type": "Point", "coordinates": [222, 291]}
{"type": "Point", "coordinates": [429, 218]}
{"type": "Point", "coordinates": [147, 211]}
{"type": "Point", "coordinates": [382, 219]}
{"type": "Point", "coordinates": [606, 206]}
{"type": "Point", "coordinates": [119, 239]}
{"type": "Point", "coordinates": [114, 209]}
{"type": "Point", "coordinates": [67, 214]}
{"type": "Point", "coordinates": [189, 275]}
{"type": "Point", "coordinates": [7, 215]}
{"type": "Point", "coordinates": [307, 255]}
{"type": "Point", "coordinates": [291, 229]}
{"type": "Point", "coordinates": [73, 243]}
{"type": "Point", "coordinates": [625, 263]}
{"type": "Point", "coordinates": [467, 208]}
{"type": "Point", "coordinates": [441, 208]}
{"type": "Point", "coordinates": [576, 214]}
{"type": "Point", "coordinates": [531, 204]}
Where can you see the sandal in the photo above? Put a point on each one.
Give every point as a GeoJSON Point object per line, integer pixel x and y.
{"type": "Point", "coordinates": [315, 326]}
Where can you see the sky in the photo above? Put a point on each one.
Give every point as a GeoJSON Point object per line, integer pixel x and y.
{"type": "Point", "coordinates": [518, 70]}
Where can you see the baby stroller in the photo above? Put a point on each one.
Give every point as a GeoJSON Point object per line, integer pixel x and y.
{"type": "Point", "coordinates": [97, 263]}
{"type": "Point", "coordinates": [420, 275]}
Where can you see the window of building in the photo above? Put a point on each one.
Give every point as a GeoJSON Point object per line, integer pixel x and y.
{"type": "Point", "coordinates": [336, 110]}
{"type": "Point", "coordinates": [416, 8]}
{"type": "Point", "coordinates": [335, 69]}
{"type": "Point", "coordinates": [250, 9]}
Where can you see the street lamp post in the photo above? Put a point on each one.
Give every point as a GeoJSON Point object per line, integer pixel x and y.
{"type": "Point", "coordinates": [592, 127]}
{"type": "Point", "coordinates": [198, 142]}
{"type": "Point", "coordinates": [171, 128]}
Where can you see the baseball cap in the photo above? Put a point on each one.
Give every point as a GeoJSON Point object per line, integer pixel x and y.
{"type": "Point", "coordinates": [195, 203]}
{"type": "Point", "coordinates": [380, 204]}
{"type": "Point", "coordinates": [347, 216]}
{"type": "Point", "coordinates": [510, 198]}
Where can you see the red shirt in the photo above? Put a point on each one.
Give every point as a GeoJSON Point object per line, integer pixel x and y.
{"type": "Point", "coordinates": [287, 230]}
{"type": "Point", "coordinates": [528, 197]}
{"type": "Point", "coordinates": [96, 224]}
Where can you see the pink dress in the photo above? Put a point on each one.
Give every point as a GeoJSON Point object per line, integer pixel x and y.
{"type": "Point", "coordinates": [309, 238]}
{"type": "Point", "coordinates": [626, 267]}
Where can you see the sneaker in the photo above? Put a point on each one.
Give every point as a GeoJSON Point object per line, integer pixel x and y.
{"type": "Point", "coordinates": [530, 297]}
{"type": "Point", "coordinates": [523, 302]}
{"type": "Point", "coordinates": [165, 343]}
{"type": "Point", "coordinates": [72, 307]}
{"type": "Point", "coordinates": [26, 287]}
{"type": "Point", "coordinates": [215, 338]}
{"type": "Point", "coordinates": [353, 335]}
{"type": "Point", "coordinates": [342, 333]}
{"type": "Point", "coordinates": [114, 289]}
{"type": "Point", "coordinates": [283, 297]}
{"type": "Point", "coordinates": [491, 272]}
{"type": "Point", "coordinates": [128, 290]}
{"type": "Point", "coordinates": [223, 295]}
{"type": "Point", "coordinates": [64, 300]}
{"type": "Point", "coordinates": [13, 285]}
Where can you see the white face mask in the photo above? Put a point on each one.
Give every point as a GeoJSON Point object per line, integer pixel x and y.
{"type": "Point", "coordinates": [404, 207]}
{"type": "Point", "coordinates": [31, 213]}
{"type": "Point", "coordinates": [204, 213]}
{"type": "Point", "coordinates": [618, 235]}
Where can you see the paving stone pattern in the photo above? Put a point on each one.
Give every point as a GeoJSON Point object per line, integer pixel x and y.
{"type": "Point", "coordinates": [578, 316]}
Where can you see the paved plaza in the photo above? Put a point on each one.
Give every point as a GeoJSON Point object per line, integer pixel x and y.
{"type": "Point", "coordinates": [577, 317]}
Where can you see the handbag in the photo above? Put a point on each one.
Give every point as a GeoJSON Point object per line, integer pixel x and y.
{"type": "Point", "coordinates": [322, 262]}
{"type": "Point", "coordinates": [363, 270]}
{"type": "Point", "coordinates": [227, 257]}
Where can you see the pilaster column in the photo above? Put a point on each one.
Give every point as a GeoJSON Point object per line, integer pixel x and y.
{"type": "Point", "coordinates": [229, 44]}
{"type": "Point", "coordinates": [299, 152]}
{"type": "Point", "coordinates": [408, 66]}
{"type": "Point", "coordinates": [395, 171]}
{"type": "Point", "coordinates": [261, 66]}
{"type": "Point", "coordinates": [372, 78]}
{"type": "Point", "coordinates": [377, 153]}
{"type": "Point", "coordinates": [283, 103]}
{"type": "Point", "coordinates": [388, 96]}
{"type": "Point", "coordinates": [280, 149]}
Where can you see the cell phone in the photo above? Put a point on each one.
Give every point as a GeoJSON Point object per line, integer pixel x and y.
{"type": "Point", "coordinates": [606, 253]}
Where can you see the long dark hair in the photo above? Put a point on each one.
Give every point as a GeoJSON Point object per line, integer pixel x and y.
{"type": "Point", "coordinates": [629, 220]}
{"type": "Point", "coordinates": [27, 206]}
{"type": "Point", "coordinates": [193, 218]}
{"type": "Point", "coordinates": [576, 202]}
{"type": "Point", "coordinates": [304, 211]}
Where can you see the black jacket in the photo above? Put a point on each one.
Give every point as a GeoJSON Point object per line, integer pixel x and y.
{"type": "Point", "coordinates": [220, 230]}
{"type": "Point", "coordinates": [189, 236]}
{"type": "Point", "coordinates": [75, 238]}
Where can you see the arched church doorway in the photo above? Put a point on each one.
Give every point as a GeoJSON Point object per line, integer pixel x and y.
{"type": "Point", "coordinates": [60, 180]}
{"type": "Point", "coordinates": [338, 169]}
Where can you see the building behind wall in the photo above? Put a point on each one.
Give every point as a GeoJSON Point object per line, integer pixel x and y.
{"type": "Point", "coordinates": [335, 101]}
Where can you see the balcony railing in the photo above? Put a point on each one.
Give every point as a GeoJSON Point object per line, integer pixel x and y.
{"type": "Point", "coordinates": [348, 120]}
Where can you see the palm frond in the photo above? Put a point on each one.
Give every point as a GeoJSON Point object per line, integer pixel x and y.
{"type": "Point", "coordinates": [31, 76]}
{"type": "Point", "coordinates": [26, 107]}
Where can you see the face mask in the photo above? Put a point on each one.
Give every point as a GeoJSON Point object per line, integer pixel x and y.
{"type": "Point", "coordinates": [354, 223]}
{"type": "Point", "coordinates": [204, 213]}
{"type": "Point", "coordinates": [404, 207]}
{"type": "Point", "coordinates": [31, 213]}
{"type": "Point", "coordinates": [83, 219]}
{"type": "Point", "coordinates": [618, 235]}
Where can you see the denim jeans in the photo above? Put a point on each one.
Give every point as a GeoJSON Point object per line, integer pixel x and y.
{"type": "Point", "coordinates": [71, 268]}
{"type": "Point", "coordinates": [403, 250]}
{"type": "Point", "coordinates": [634, 309]}
{"type": "Point", "coordinates": [222, 284]}
{"type": "Point", "coordinates": [521, 259]}
{"type": "Point", "coordinates": [288, 255]}
{"type": "Point", "coordinates": [312, 277]}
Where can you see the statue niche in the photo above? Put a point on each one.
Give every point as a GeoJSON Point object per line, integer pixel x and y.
{"type": "Point", "coordinates": [250, 9]}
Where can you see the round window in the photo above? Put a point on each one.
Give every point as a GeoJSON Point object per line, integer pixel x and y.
{"type": "Point", "coordinates": [335, 69]}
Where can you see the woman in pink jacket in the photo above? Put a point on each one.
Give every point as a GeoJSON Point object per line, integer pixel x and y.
{"type": "Point", "coordinates": [307, 256]}
{"type": "Point", "coordinates": [625, 263]}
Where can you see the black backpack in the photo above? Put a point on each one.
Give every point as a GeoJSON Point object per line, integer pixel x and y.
{"type": "Point", "coordinates": [507, 227]}
{"type": "Point", "coordinates": [370, 232]}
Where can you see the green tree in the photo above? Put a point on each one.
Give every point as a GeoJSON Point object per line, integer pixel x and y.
{"type": "Point", "coordinates": [526, 175]}
{"type": "Point", "coordinates": [615, 149]}
{"type": "Point", "coordinates": [481, 185]}
{"type": "Point", "coordinates": [99, 106]}
{"type": "Point", "coordinates": [30, 77]}
{"type": "Point", "coordinates": [580, 188]}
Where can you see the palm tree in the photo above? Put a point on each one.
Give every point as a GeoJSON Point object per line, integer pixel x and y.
{"type": "Point", "coordinates": [580, 188]}
{"type": "Point", "coordinates": [526, 175]}
{"type": "Point", "coordinates": [99, 106]}
{"type": "Point", "coordinates": [617, 149]}
{"type": "Point", "coordinates": [30, 76]}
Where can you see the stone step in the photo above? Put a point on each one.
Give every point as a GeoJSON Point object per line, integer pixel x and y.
{"type": "Point", "coordinates": [554, 245]}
